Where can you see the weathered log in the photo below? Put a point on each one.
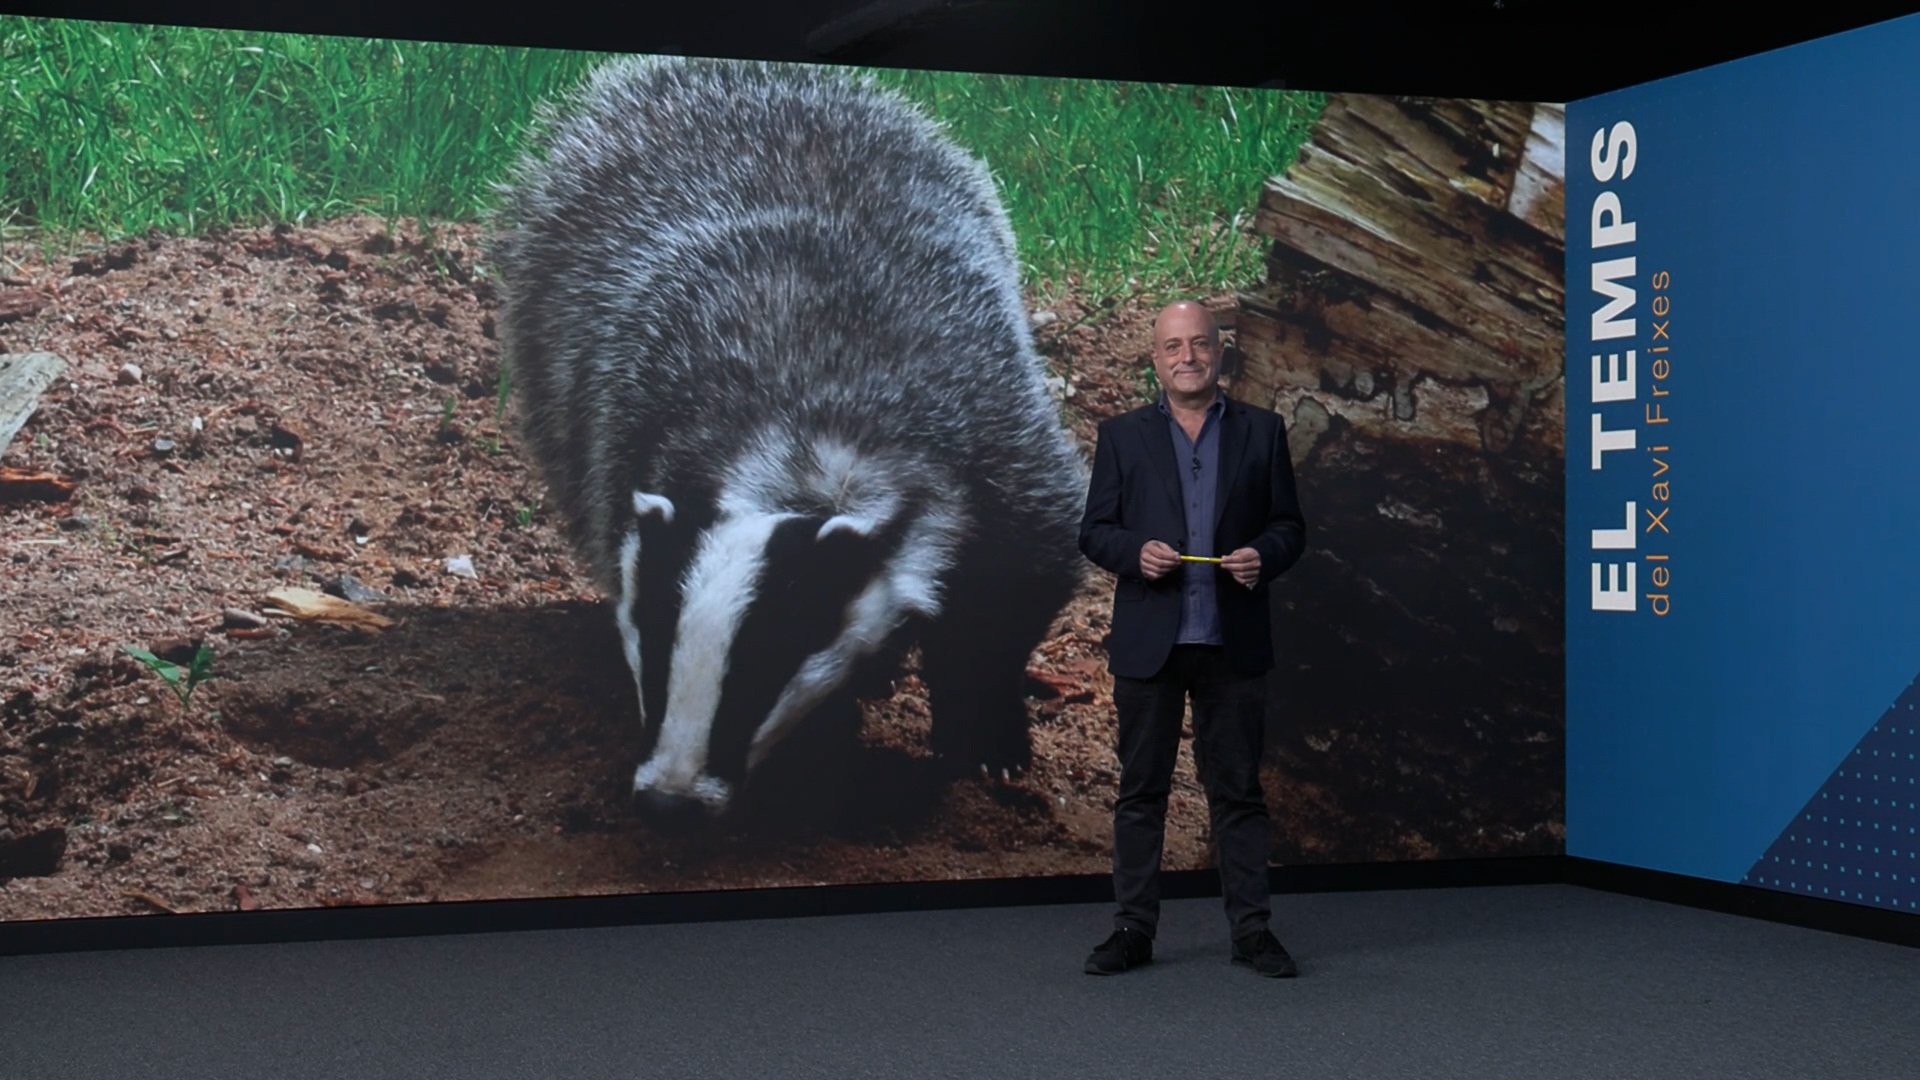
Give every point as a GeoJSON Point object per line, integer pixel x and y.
{"type": "Point", "coordinates": [1416, 282]}
{"type": "Point", "coordinates": [23, 378]}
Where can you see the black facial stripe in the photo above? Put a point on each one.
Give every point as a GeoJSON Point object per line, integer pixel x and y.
{"type": "Point", "coordinates": [798, 608]}
{"type": "Point", "coordinates": [666, 550]}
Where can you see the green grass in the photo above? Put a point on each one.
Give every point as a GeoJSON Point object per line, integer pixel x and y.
{"type": "Point", "coordinates": [1119, 187]}
{"type": "Point", "coordinates": [118, 130]}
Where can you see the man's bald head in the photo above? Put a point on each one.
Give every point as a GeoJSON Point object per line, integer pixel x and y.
{"type": "Point", "coordinates": [1180, 319]}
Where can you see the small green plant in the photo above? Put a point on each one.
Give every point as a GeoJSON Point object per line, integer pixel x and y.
{"type": "Point", "coordinates": [446, 416]}
{"type": "Point", "coordinates": [502, 394]}
{"type": "Point", "coordinates": [181, 681]}
{"type": "Point", "coordinates": [523, 516]}
{"type": "Point", "coordinates": [1149, 384]}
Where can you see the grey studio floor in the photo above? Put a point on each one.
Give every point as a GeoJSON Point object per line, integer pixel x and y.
{"type": "Point", "coordinates": [1534, 981]}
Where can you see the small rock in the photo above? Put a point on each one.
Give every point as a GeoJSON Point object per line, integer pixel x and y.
{"type": "Point", "coordinates": [286, 440]}
{"type": "Point", "coordinates": [315, 849]}
{"type": "Point", "coordinates": [129, 375]}
{"type": "Point", "coordinates": [461, 566]}
{"type": "Point", "coordinates": [76, 523]}
{"type": "Point", "coordinates": [352, 589]}
{"type": "Point", "coordinates": [290, 562]}
{"type": "Point", "coordinates": [197, 424]}
{"type": "Point", "coordinates": [1043, 318]}
{"type": "Point", "coordinates": [163, 447]}
{"type": "Point", "coordinates": [36, 854]}
{"type": "Point", "coordinates": [405, 579]}
{"type": "Point", "coordinates": [177, 650]}
{"type": "Point", "coordinates": [242, 619]}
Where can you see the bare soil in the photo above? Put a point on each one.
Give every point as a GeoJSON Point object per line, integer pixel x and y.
{"type": "Point", "coordinates": [317, 402]}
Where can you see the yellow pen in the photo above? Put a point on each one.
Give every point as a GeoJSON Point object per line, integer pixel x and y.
{"type": "Point", "coordinates": [1200, 558]}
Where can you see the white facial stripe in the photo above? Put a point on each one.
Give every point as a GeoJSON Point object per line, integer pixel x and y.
{"type": "Point", "coordinates": [872, 616]}
{"type": "Point", "coordinates": [623, 615]}
{"type": "Point", "coordinates": [910, 586]}
{"type": "Point", "coordinates": [719, 588]}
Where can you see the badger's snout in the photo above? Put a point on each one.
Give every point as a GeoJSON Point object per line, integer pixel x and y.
{"type": "Point", "coordinates": [669, 796]}
{"type": "Point", "coordinates": [674, 812]}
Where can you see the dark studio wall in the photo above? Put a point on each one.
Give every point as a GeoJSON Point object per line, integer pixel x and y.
{"type": "Point", "coordinates": [1534, 50]}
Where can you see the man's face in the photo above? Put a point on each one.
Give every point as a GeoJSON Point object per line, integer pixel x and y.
{"type": "Point", "coordinates": [1186, 350]}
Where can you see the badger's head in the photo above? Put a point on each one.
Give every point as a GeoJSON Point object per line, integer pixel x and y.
{"type": "Point", "coordinates": [811, 558]}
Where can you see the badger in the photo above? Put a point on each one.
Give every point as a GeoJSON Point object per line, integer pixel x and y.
{"type": "Point", "coordinates": [765, 328]}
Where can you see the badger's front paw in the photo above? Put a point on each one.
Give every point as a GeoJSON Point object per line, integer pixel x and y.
{"type": "Point", "coordinates": [1002, 760]}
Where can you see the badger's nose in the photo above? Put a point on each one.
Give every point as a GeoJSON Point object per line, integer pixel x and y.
{"type": "Point", "coordinates": [670, 812]}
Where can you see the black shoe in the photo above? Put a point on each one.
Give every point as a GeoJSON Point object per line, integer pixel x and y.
{"type": "Point", "coordinates": [1264, 954]}
{"type": "Point", "coordinates": [1122, 950]}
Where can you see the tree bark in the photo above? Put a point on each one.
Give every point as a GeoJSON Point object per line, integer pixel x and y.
{"type": "Point", "coordinates": [1416, 283]}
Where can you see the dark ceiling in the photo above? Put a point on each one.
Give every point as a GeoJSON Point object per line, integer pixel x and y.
{"type": "Point", "coordinates": [1516, 49]}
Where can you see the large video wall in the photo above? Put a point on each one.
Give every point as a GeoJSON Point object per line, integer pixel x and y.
{"type": "Point", "coordinates": [445, 472]}
{"type": "Point", "coordinates": [1742, 470]}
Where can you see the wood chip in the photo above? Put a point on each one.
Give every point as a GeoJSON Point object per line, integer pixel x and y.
{"type": "Point", "coordinates": [312, 551]}
{"type": "Point", "coordinates": [19, 485]}
{"type": "Point", "coordinates": [309, 606]}
{"type": "Point", "coordinates": [152, 901]}
{"type": "Point", "coordinates": [20, 304]}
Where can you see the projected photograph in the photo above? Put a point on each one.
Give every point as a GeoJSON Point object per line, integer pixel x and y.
{"type": "Point", "coordinates": [435, 472]}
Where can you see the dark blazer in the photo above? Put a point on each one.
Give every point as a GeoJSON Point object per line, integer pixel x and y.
{"type": "Point", "coordinates": [1134, 497]}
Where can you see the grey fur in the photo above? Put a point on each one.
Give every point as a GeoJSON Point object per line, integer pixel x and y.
{"type": "Point", "coordinates": [705, 260]}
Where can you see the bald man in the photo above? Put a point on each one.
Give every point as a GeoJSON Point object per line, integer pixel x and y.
{"type": "Point", "coordinates": [1192, 507]}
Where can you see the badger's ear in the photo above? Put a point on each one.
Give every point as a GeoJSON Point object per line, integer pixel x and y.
{"type": "Point", "coordinates": [853, 526]}
{"type": "Point", "coordinates": [848, 544]}
{"type": "Point", "coordinates": [647, 505]}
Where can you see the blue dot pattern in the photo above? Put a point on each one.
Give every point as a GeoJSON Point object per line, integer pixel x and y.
{"type": "Point", "coordinates": [1858, 838]}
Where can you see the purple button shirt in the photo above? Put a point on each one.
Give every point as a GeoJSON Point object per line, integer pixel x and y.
{"type": "Point", "coordinates": [1199, 467]}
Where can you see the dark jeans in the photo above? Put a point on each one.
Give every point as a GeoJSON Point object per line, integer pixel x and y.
{"type": "Point", "coordinates": [1229, 730]}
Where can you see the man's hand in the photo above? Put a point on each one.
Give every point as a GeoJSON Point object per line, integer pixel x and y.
{"type": "Point", "coordinates": [1156, 559]}
{"type": "Point", "coordinates": [1244, 565]}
